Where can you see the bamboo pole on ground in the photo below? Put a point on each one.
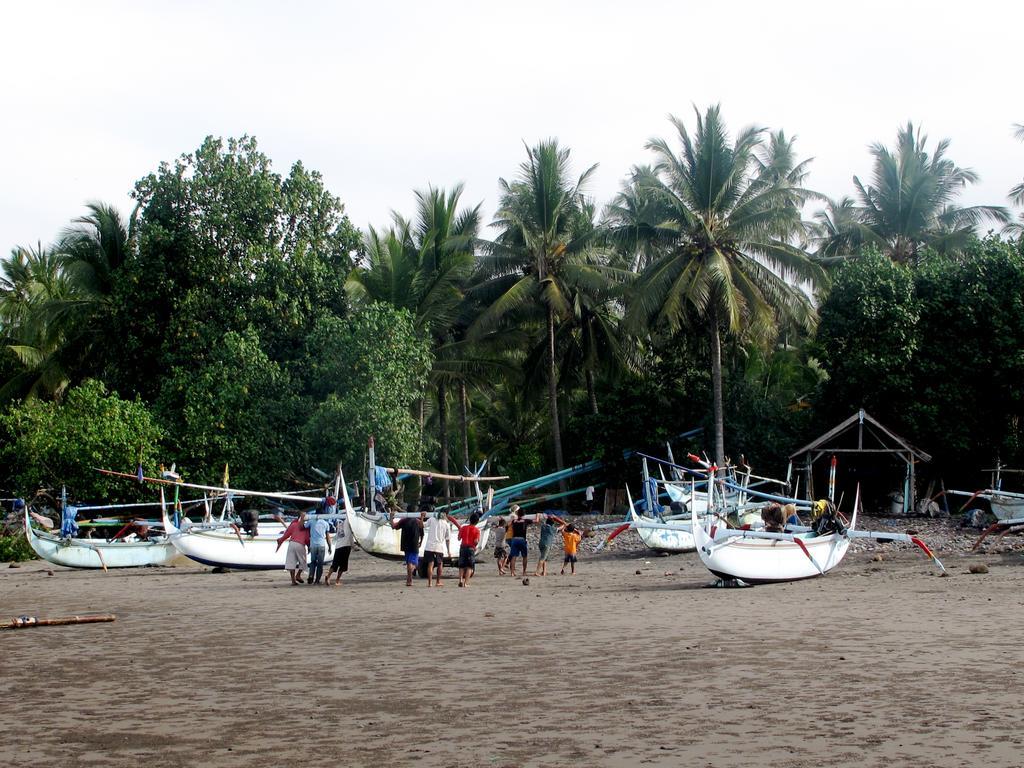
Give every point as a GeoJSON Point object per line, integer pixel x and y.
{"type": "Point", "coordinates": [23, 622]}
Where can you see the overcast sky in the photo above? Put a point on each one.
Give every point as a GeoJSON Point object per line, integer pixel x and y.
{"type": "Point", "coordinates": [386, 97]}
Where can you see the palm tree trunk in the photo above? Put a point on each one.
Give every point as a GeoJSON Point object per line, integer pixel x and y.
{"type": "Point", "coordinates": [716, 390]}
{"type": "Point", "coordinates": [442, 436]}
{"type": "Point", "coordinates": [464, 417]}
{"type": "Point", "coordinates": [556, 432]}
{"type": "Point", "coordinates": [591, 392]}
{"type": "Point", "coordinates": [418, 481]}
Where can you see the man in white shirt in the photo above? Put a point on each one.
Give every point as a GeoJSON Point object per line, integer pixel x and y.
{"type": "Point", "coordinates": [437, 535]}
{"type": "Point", "coordinates": [590, 498]}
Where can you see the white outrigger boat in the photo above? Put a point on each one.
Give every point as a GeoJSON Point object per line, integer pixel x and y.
{"type": "Point", "coordinates": [220, 543]}
{"type": "Point", "coordinates": [74, 552]}
{"type": "Point", "coordinates": [220, 546]}
{"type": "Point", "coordinates": [761, 557]}
{"type": "Point", "coordinates": [672, 533]}
{"type": "Point", "coordinates": [372, 529]}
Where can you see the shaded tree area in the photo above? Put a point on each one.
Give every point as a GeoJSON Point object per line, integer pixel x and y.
{"type": "Point", "coordinates": [238, 317]}
{"type": "Point", "coordinates": [936, 352]}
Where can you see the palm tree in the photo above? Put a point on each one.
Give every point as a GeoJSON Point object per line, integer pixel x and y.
{"type": "Point", "coordinates": [423, 266]}
{"type": "Point", "coordinates": [543, 253]}
{"type": "Point", "coordinates": [94, 247]}
{"type": "Point", "coordinates": [835, 232]}
{"type": "Point", "coordinates": [909, 203]}
{"type": "Point", "coordinates": [32, 282]}
{"type": "Point", "coordinates": [730, 225]}
{"type": "Point", "coordinates": [55, 301]}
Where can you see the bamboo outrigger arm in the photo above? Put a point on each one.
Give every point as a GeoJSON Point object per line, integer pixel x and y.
{"type": "Point", "coordinates": [428, 473]}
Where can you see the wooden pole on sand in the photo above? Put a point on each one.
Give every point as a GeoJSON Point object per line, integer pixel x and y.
{"type": "Point", "coordinates": [22, 622]}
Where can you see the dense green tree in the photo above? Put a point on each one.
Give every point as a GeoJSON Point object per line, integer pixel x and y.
{"type": "Point", "coordinates": [236, 406]}
{"type": "Point", "coordinates": [46, 443]}
{"type": "Point", "coordinates": [968, 398]}
{"type": "Point", "coordinates": [730, 261]}
{"type": "Point", "coordinates": [368, 371]}
{"type": "Point", "coordinates": [224, 243]}
{"type": "Point", "coordinates": [33, 283]}
{"type": "Point", "coordinates": [866, 338]}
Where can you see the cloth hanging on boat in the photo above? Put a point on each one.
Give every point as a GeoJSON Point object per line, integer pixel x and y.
{"type": "Point", "coordinates": [381, 478]}
{"type": "Point", "coordinates": [652, 490]}
{"type": "Point", "coordinates": [68, 526]}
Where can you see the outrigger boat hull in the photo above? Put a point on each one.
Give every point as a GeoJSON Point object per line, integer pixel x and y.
{"type": "Point", "coordinates": [99, 553]}
{"type": "Point", "coordinates": [221, 547]}
{"type": "Point", "coordinates": [1007, 506]}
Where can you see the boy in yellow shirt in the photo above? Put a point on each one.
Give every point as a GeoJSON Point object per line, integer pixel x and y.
{"type": "Point", "coordinates": [571, 539]}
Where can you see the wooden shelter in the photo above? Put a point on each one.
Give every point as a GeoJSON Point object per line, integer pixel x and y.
{"type": "Point", "coordinates": [859, 434]}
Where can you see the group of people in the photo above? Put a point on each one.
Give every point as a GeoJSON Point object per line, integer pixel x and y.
{"type": "Point", "coordinates": [319, 535]}
{"type": "Point", "coordinates": [513, 545]}
{"type": "Point", "coordinates": [433, 530]}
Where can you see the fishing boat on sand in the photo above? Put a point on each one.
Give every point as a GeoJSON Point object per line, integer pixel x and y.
{"type": "Point", "coordinates": [760, 557]}
{"type": "Point", "coordinates": [221, 543]}
{"type": "Point", "coordinates": [76, 552]}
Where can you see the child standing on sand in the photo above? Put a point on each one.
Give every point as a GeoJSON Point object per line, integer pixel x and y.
{"type": "Point", "coordinates": [571, 539]}
{"type": "Point", "coordinates": [500, 550]}
{"type": "Point", "coordinates": [547, 535]}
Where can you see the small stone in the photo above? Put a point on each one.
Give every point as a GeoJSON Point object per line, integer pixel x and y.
{"type": "Point", "coordinates": [978, 568]}
{"type": "Point", "coordinates": [877, 558]}
{"type": "Point", "coordinates": [14, 565]}
{"type": "Point", "coordinates": [49, 572]}
{"type": "Point", "coordinates": [488, 615]}
{"type": "Point", "coordinates": [912, 532]}
{"type": "Point", "coordinates": [526, 581]}
{"type": "Point", "coordinates": [638, 572]}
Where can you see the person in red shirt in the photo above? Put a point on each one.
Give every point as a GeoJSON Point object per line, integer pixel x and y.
{"type": "Point", "coordinates": [469, 539]}
{"type": "Point", "coordinates": [297, 537]}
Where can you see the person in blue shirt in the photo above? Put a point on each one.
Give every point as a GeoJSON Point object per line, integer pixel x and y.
{"type": "Point", "coordinates": [319, 542]}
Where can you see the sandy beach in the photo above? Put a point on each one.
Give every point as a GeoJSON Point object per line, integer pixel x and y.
{"type": "Point", "coordinates": [880, 663]}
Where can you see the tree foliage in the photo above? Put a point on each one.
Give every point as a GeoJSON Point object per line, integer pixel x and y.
{"type": "Point", "coordinates": [62, 443]}
{"type": "Point", "coordinates": [368, 371]}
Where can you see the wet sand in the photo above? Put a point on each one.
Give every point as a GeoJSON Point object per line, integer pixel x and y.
{"type": "Point", "coordinates": [876, 664]}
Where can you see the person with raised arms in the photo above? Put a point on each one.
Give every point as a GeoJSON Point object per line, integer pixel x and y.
{"type": "Point", "coordinates": [412, 535]}
{"type": "Point", "coordinates": [438, 542]}
{"type": "Point", "coordinates": [547, 535]}
{"type": "Point", "coordinates": [469, 538]}
{"type": "Point", "coordinates": [571, 539]}
{"type": "Point", "coordinates": [319, 540]}
{"type": "Point", "coordinates": [518, 546]}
